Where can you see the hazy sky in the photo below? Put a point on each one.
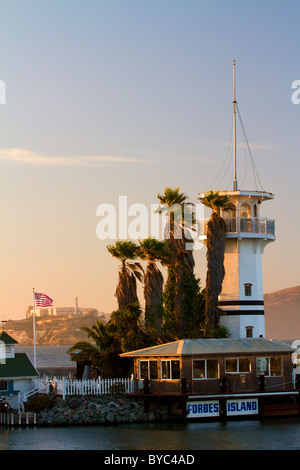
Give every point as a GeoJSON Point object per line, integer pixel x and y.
{"type": "Point", "coordinates": [109, 98]}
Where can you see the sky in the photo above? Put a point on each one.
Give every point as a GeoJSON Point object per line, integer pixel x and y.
{"type": "Point", "coordinates": [109, 98]}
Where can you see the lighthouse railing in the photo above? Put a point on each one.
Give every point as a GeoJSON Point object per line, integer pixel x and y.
{"type": "Point", "coordinates": [236, 225]}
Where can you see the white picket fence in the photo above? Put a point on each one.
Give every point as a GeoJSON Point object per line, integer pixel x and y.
{"type": "Point", "coordinates": [67, 387]}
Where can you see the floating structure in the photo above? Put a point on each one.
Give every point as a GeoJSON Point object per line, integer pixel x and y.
{"type": "Point", "coordinates": [219, 378]}
{"type": "Point", "coordinates": [245, 375]}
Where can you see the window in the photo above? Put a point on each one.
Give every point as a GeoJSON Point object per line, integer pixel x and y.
{"type": "Point", "coordinates": [245, 210]}
{"type": "Point", "coordinates": [249, 331]}
{"type": "Point", "coordinates": [205, 369]}
{"type": "Point", "coordinates": [229, 211]}
{"type": "Point", "coordinates": [148, 370]}
{"type": "Point", "coordinates": [238, 365]}
{"type": "Point", "coordinates": [269, 366]}
{"type": "Point", "coordinates": [3, 385]}
{"type": "Point", "coordinates": [170, 370]}
{"type": "Point", "coordinates": [248, 290]}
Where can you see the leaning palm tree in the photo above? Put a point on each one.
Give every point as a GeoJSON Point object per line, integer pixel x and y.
{"type": "Point", "coordinates": [179, 223]}
{"type": "Point", "coordinates": [126, 292]}
{"type": "Point", "coordinates": [216, 234]}
{"type": "Point", "coordinates": [87, 352]}
{"type": "Point", "coordinates": [102, 353]}
{"type": "Point", "coordinates": [153, 251]}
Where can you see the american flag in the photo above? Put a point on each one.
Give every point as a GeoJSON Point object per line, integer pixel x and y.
{"type": "Point", "coordinates": [42, 300]}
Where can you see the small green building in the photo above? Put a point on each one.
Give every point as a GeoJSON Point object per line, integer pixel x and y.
{"type": "Point", "coordinates": [17, 372]}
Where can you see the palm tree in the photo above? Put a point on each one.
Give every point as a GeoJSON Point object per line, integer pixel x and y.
{"type": "Point", "coordinates": [216, 234]}
{"type": "Point", "coordinates": [153, 251]}
{"type": "Point", "coordinates": [124, 326]}
{"type": "Point", "coordinates": [179, 222]}
{"type": "Point", "coordinates": [102, 353]}
{"type": "Point", "coordinates": [126, 291]}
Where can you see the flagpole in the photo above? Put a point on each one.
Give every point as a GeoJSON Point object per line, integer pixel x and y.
{"type": "Point", "coordinates": [34, 345]}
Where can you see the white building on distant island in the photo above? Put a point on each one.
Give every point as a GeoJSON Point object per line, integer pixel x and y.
{"type": "Point", "coordinates": [60, 311]}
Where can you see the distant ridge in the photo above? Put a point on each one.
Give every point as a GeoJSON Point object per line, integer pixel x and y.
{"type": "Point", "coordinates": [282, 319]}
{"type": "Point", "coordinates": [282, 314]}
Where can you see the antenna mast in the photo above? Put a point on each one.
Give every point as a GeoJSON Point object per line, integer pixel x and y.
{"type": "Point", "coordinates": [235, 186]}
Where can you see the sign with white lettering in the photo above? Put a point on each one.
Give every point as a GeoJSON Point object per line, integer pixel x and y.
{"type": "Point", "coordinates": [242, 407]}
{"type": "Point", "coordinates": [203, 409]}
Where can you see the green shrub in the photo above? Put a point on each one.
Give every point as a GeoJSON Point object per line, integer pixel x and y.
{"type": "Point", "coordinates": [117, 388]}
{"type": "Point", "coordinates": [39, 402]}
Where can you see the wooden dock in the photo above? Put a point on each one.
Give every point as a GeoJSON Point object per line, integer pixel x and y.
{"type": "Point", "coordinates": [18, 419]}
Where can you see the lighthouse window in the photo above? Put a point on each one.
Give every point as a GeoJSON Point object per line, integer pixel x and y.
{"type": "Point", "coordinates": [248, 290]}
{"type": "Point", "coordinates": [245, 210]}
{"type": "Point", "coordinates": [249, 331]}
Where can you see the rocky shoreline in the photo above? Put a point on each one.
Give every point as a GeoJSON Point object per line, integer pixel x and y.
{"type": "Point", "coordinates": [104, 410]}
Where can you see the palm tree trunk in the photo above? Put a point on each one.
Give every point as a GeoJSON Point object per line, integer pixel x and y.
{"type": "Point", "coordinates": [184, 263]}
{"type": "Point", "coordinates": [126, 291]}
{"type": "Point", "coordinates": [216, 233]}
{"type": "Point", "coordinates": [153, 292]}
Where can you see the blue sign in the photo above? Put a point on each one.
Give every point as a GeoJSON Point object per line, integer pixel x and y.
{"type": "Point", "coordinates": [242, 407]}
{"type": "Point", "coordinates": [203, 409]}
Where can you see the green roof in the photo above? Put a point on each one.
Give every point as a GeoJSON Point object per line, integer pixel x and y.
{"type": "Point", "coordinates": [17, 367]}
{"type": "Point", "coordinates": [6, 339]}
{"type": "Point", "coordinates": [190, 347]}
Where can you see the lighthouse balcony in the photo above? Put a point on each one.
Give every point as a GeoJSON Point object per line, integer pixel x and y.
{"type": "Point", "coordinates": [251, 227]}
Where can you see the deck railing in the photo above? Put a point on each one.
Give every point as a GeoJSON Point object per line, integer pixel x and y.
{"type": "Point", "coordinates": [66, 387]}
{"type": "Point", "coordinates": [236, 225]}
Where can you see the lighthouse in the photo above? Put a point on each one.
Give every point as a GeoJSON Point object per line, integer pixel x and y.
{"type": "Point", "coordinates": [241, 301]}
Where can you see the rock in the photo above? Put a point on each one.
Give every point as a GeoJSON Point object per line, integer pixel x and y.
{"type": "Point", "coordinates": [98, 410]}
{"type": "Point", "coordinates": [94, 406]}
{"type": "Point", "coordinates": [112, 405]}
{"type": "Point", "coordinates": [151, 416]}
{"type": "Point", "coordinates": [110, 418]}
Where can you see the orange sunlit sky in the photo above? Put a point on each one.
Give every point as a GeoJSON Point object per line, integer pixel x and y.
{"type": "Point", "coordinates": [123, 98]}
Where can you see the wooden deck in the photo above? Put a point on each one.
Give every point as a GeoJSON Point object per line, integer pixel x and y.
{"type": "Point", "coordinates": [285, 409]}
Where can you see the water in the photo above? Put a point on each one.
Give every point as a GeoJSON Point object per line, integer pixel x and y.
{"type": "Point", "coordinates": [281, 434]}
{"type": "Point", "coordinates": [273, 434]}
{"type": "Point", "coordinates": [48, 356]}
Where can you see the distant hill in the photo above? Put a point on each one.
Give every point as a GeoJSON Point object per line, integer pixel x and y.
{"type": "Point", "coordinates": [51, 331]}
{"type": "Point", "coordinates": [282, 314]}
{"type": "Point", "coordinates": [282, 319]}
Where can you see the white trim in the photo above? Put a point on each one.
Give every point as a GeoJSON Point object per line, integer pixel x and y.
{"type": "Point", "coordinates": [242, 395]}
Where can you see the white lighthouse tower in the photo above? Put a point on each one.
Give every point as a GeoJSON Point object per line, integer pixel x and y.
{"type": "Point", "coordinates": [241, 300]}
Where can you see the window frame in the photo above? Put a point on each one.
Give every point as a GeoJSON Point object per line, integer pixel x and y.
{"type": "Point", "coordinates": [268, 358]}
{"type": "Point", "coordinates": [249, 331]}
{"type": "Point", "coordinates": [169, 361]}
{"type": "Point", "coordinates": [248, 289]}
{"type": "Point", "coordinates": [205, 369]}
{"type": "Point", "coordinates": [238, 371]}
{"type": "Point", "coordinates": [5, 382]}
{"type": "Point", "coordinates": [148, 369]}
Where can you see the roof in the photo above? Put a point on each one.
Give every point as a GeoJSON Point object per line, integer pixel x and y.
{"type": "Point", "coordinates": [262, 194]}
{"type": "Point", "coordinates": [204, 346]}
{"type": "Point", "coordinates": [17, 367]}
{"type": "Point", "coordinates": [6, 339]}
